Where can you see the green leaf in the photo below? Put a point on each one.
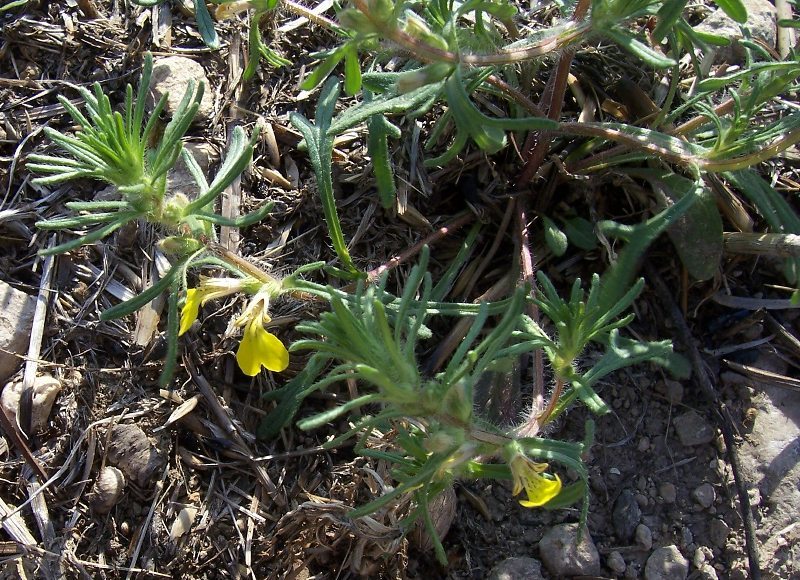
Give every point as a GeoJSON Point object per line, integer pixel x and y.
{"type": "Point", "coordinates": [383, 104]}
{"type": "Point", "coordinates": [697, 234]}
{"type": "Point", "coordinates": [733, 8]}
{"type": "Point", "coordinates": [205, 25]}
{"type": "Point", "coordinates": [12, 5]}
{"type": "Point", "coordinates": [323, 70]}
{"type": "Point", "coordinates": [379, 129]}
{"type": "Point", "coordinates": [645, 53]}
{"type": "Point", "coordinates": [490, 139]}
{"type": "Point", "coordinates": [580, 233]}
{"type": "Point", "coordinates": [135, 303]}
{"type": "Point", "coordinates": [569, 495]}
{"type": "Point", "coordinates": [624, 352]}
{"type": "Point", "coordinates": [556, 239]}
{"type": "Point", "coordinates": [616, 280]}
{"type": "Point", "coordinates": [667, 16]}
{"type": "Point", "coordinates": [98, 234]}
{"type": "Point", "coordinates": [239, 154]}
{"type": "Point", "coordinates": [352, 73]}
{"type": "Point", "coordinates": [319, 140]}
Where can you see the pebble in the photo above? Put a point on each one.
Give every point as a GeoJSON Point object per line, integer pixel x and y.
{"type": "Point", "coordinates": [172, 75]}
{"type": "Point", "coordinates": [704, 495]}
{"type": "Point", "coordinates": [107, 490]}
{"type": "Point", "coordinates": [517, 569]}
{"type": "Point", "coordinates": [44, 391]}
{"type": "Point", "coordinates": [666, 563]}
{"type": "Point", "coordinates": [702, 554]}
{"type": "Point", "coordinates": [673, 391]}
{"type": "Point", "coordinates": [626, 515]}
{"type": "Point", "coordinates": [704, 572]}
{"type": "Point", "coordinates": [644, 537]}
{"type": "Point", "coordinates": [692, 429]}
{"type": "Point", "coordinates": [616, 563]}
{"type": "Point", "coordinates": [668, 492]}
{"type": "Point", "coordinates": [563, 556]}
{"type": "Point", "coordinates": [15, 327]}
{"type": "Point", "coordinates": [644, 444]}
{"type": "Point", "coordinates": [718, 532]}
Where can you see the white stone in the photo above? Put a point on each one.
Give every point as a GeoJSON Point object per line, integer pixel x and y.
{"type": "Point", "coordinates": [563, 556]}
{"type": "Point", "coordinates": [616, 563]}
{"type": "Point", "coordinates": [45, 391]}
{"type": "Point", "coordinates": [15, 327]}
{"type": "Point", "coordinates": [171, 75]}
{"type": "Point", "coordinates": [666, 563]}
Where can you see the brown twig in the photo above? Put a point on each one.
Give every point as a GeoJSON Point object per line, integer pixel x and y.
{"type": "Point", "coordinates": [537, 143]}
{"type": "Point", "coordinates": [527, 266]}
{"type": "Point", "coordinates": [452, 226]}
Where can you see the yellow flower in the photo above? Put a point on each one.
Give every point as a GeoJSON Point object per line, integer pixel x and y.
{"type": "Point", "coordinates": [208, 289]}
{"type": "Point", "coordinates": [529, 476]}
{"type": "Point", "coordinates": [260, 348]}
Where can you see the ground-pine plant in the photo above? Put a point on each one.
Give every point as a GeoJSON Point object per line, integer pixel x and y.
{"type": "Point", "coordinates": [121, 149]}
{"type": "Point", "coordinates": [457, 56]}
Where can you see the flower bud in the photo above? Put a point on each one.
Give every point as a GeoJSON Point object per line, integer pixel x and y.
{"type": "Point", "coordinates": [414, 79]}
{"type": "Point", "coordinates": [179, 245]}
{"type": "Point", "coordinates": [458, 401]}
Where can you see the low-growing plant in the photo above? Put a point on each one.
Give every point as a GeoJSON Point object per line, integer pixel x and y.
{"type": "Point", "coordinates": [122, 150]}
{"type": "Point", "coordinates": [457, 56]}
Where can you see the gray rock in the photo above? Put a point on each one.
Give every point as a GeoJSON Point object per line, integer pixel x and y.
{"type": "Point", "coordinates": [15, 327]}
{"type": "Point", "coordinates": [517, 569]}
{"type": "Point", "coordinates": [704, 495]}
{"type": "Point", "coordinates": [673, 391]}
{"type": "Point", "coordinates": [704, 572]}
{"type": "Point", "coordinates": [644, 536]}
{"type": "Point", "coordinates": [666, 563]}
{"type": "Point", "coordinates": [761, 25]}
{"type": "Point", "coordinates": [692, 429]}
{"type": "Point", "coordinates": [171, 75]}
{"type": "Point", "coordinates": [564, 556]}
{"type": "Point", "coordinates": [668, 492]}
{"type": "Point", "coordinates": [616, 563]}
{"type": "Point", "coordinates": [718, 532]}
{"type": "Point", "coordinates": [626, 515]}
{"type": "Point", "coordinates": [769, 462]}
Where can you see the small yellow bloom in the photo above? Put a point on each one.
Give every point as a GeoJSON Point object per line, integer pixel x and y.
{"type": "Point", "coordinates": [259, 348]}
{"type": "Point", "coordinates": [208, 289]}
{"type": "Point", "coordinates": [529, 476]}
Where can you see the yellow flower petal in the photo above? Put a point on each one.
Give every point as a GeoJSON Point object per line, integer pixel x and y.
{"type": "Point", "coordinates": [190, 310]}
{"type": "Point", "coordinates": [540, 490]}
{"type": "Point", "coordinates": [260, 348]}
{"type": "Point", "coordinates": [527, 475]}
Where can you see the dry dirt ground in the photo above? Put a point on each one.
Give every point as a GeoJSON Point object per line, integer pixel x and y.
{"type": "Point", "coordinates": [205, 499]}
